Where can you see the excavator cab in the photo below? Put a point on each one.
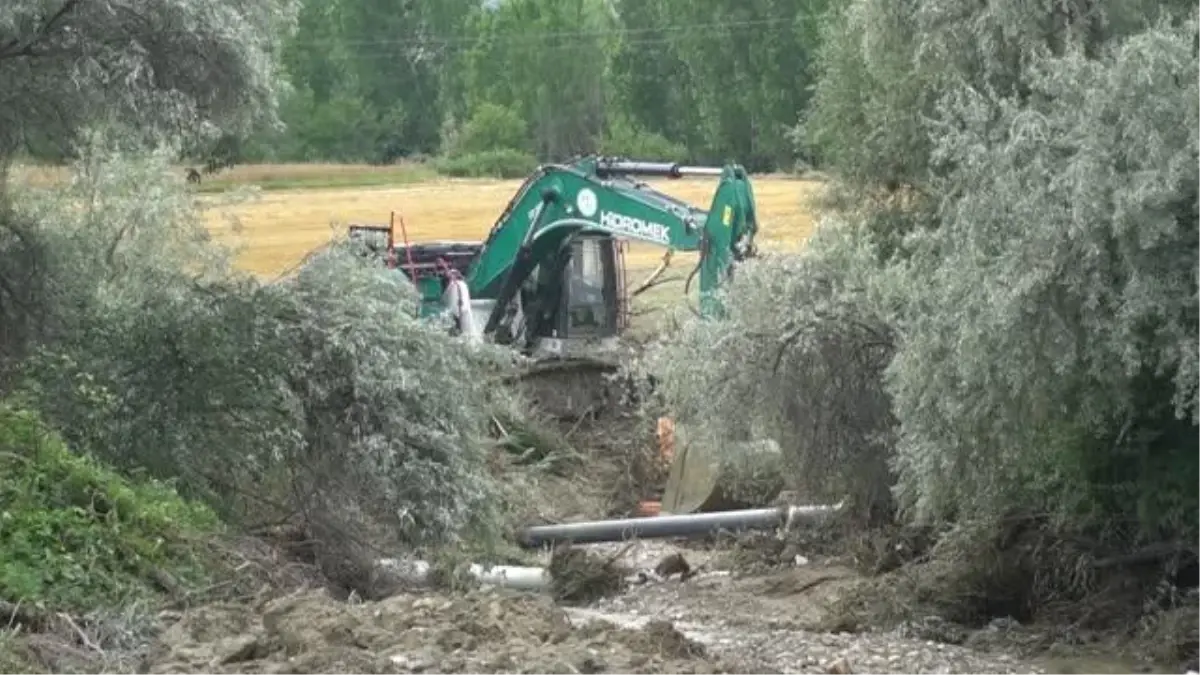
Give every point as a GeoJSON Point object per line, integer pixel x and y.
{"type": "Point", "coordinates": [574, 296]}
{"type": "Point", "coordinates": [590, 307]}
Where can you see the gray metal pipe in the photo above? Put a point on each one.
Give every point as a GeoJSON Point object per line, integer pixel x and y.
{"type": "Point", "coordinates": [658, 527]}
{"type": "Point", "coordinates": [619, 167]}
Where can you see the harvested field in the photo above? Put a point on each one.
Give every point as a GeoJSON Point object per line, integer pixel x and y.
{"type": "Point", "coordinates": [280, 227]}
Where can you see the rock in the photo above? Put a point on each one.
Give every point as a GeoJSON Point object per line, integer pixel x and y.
{"type": "Point", "coordinates": [839, 666]}
{"type": "Point", "coordinates": [673, 564]}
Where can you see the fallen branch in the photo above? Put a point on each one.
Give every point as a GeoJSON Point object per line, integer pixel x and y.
{"type": "Point", "coordinates": [23, 615]}
{"type": "Point", "coordinates": [83, 637]}
{"type": "Point", "coordinates": [650, 280]}
{"type": "Point", "coordinates": [582, 416]}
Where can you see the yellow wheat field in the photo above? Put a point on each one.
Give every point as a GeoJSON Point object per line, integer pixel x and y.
{"type": "Point", "coordinates": [276, 230]}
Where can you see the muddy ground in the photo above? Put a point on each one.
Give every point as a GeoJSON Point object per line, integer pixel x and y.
{"type": "Point", "coordinates": [751, 605]}
{"type": "Point", "coordinates": [730, 616]}
{"type": "Point", "coordinates": [719, 620]}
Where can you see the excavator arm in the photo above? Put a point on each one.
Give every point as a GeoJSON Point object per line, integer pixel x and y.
{"type": "Point", "coordinates": [598, 196]}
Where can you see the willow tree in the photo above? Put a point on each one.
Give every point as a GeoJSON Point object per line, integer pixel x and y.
{"type": "Point", "coordinates": [885, 65]}
{"type": "Point", "coordinates": [163, 68]}
{"type": "Point", "coordinates": [300, 399]}
{"type": "Point", "coordinates": [172, 70]}
{"type": "Point", "coordinates": [1050, 321]}
{"type": "Point", "coordinates": [1007, 314]}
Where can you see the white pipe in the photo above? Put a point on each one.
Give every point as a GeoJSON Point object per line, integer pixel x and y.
{"type": "Point", "coordinates": [416, 572]}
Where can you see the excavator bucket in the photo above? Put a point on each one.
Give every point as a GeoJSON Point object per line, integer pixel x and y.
{"type": "Point", "coordinates": [703, 479]}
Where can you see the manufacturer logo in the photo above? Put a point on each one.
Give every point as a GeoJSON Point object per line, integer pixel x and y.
{"type": "Point", "coordinates": [586, 201]}
{"type": "Point", "coordinates": [635, 227]}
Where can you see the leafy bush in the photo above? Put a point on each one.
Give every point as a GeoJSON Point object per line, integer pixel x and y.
{"type": "Point", "coordinates": [489, 164]}
{"type": "Point", "coordinates": [1050, 321]}
{"type": "Point", "coordinates": [491, 128]}
{"type": "Point", "coordinates": [321, 397]}
{"type": "Point", "coordinates": [76, 536]}
{"type": "Point", "coordinates": [625, 139]}
{"type": "Point", "coordinates": [492, 144]}
{"type": "Point", "coordinates": [815, 384]}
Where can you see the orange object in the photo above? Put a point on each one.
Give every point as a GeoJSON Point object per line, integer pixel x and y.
{"type": "Point", "coordinates": [648, 508]}
{"type": "Point", "coordinates": [666, 439]}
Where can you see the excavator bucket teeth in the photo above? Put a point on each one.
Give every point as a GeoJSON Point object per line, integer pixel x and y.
{"type": "Point", "coordinates": [691, 481]}
{"type": "Point", "coordinates": [705, 479]}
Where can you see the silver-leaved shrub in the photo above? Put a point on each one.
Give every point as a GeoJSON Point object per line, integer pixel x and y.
{"type": "Point", "coordinates": [1049, 340]}
{"type": "Point", "coordinates": [800, 359]}
{"type": "Point", "coordinates": [320, 396]}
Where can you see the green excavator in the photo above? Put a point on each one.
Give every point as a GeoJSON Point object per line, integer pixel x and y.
{"type": "Point", "coordinates": [550, 277]}
{"type": "Point", "coordinates": [550, 281]}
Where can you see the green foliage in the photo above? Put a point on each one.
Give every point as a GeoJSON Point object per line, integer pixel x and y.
{"type": "Point", "coordinates": [489, 164]}
{"type": "Point", "coordinates": [490, 145]}
{"type": "Point", "coordinates": [398, 55]}
{"type": "Point", "coordinates": [179, 67]}
{"type": "Point", "coordinates": [1045, 363]}
{"type": "Point", "coordinates": [1009, 317]}
{"type": "Point", "coordinates": [866, 118]}
{"type": "Point", "coordinates": [544, 59]}
{"type": "Point", "coordinates": [372, 80]}
{"type": "Point", "coordinates": [884, 66]}
{"type": "Point", "coordinates": [816, 382]}
{"type": "Point", "coordinates": [626, 140]}
{"type": "Point", "coordinates": [321, 397]}
{"type": "Point", "coordinates": [492, 128]}
{"type": "Point", "coordinates": [722, 81]}
{"type": "Point", "coordinates": [76, 536]}
{"type": "Point", "coordinates": [340, 128]}
{"type": "Point", "coordinates": [749, 66]}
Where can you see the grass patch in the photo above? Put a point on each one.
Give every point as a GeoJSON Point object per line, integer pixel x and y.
{"type": "Point", "coordinates": [489, 164]}
{"type": "Point", "coordinates": [77, 537]}
{"type": "Point", "coordinates": [272, 177]}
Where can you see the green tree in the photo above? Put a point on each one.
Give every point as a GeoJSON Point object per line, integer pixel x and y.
{"type": "Point", "coordinates": [1037, 307]}
{"type": "Point", "coordinates": [1050, 320]}
{"type": "Point", "coordinates": [125, 326]}
{"type": "Point", "coordinates": [492, 127]}
{"type": "Point", "coordinates": [650, 82]}
{"type": "Point", "coordinates": [746, 70]}
{"type": "Point", "coordinates": [544, 58]}
{"type": "Point", "coordinates": [170, 69]}
{"type": "Point", "coordinates": [178, 66]}
{"type": "Point", "coordinates": [885, 65]}
{"type": "Point", "coordinates": [398, 52]}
